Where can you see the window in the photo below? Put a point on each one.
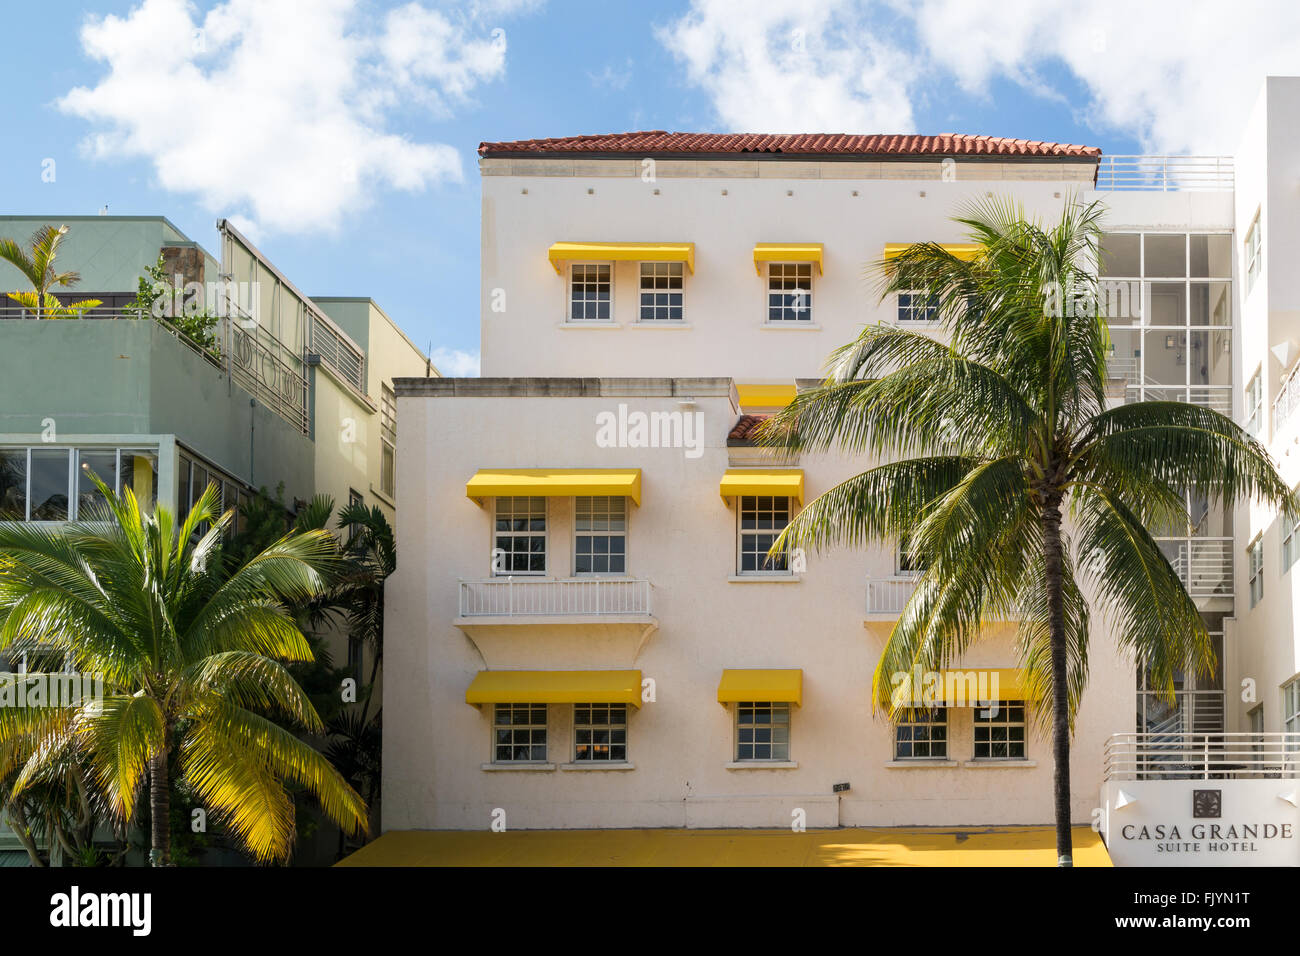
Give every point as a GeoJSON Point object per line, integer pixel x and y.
{"type": "Point", "coordinates": [53, 484]}
{"type": "Point", "coordinates": [1256, 716]}
{"type": "Point", "coordinates": [762, 731]}
{"type": "Point", "coordinates": [520, 536]}
{"type": "Point", "coordinates": [519, 733]}
{"type": "Point", "coordinates": [661, 292]}
{"type": "Point", "coordinates": [590, 292]}
{"type": "Point", "coordinates": [600, 733]}
{"type": "Point", "coordinates": [600, 535]}
{"type": "Point", "coordinates": [789, 292]}
{"type": "Point", "coordinates": [1255, 404]}
{"type": "Point", "coordinates": [1291, 707]}
{"type": "Point", "coordinates": [1290, 542]}
{"type": "Point", "coordinates": [917, 307]}
{"type": "Point", "coordinates": [192, 479]}
{"type": "Point", "coordinates": [922, 734]}
{"type": "Point", "coordinates": [1000, 731]}
{"type": "Point", "coordinates": [761, 520]}
{"type": "Point", "coordinates": [909, 562]}
{"type": "Point", "coordinates": [388, 441]}
{"type": "Point", "coordinates": [1254, 252]}
{"type": "Point", "coordinates": [1255, 554]}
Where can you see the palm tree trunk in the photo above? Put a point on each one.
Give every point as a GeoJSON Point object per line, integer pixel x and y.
{"type": "Point", "coordinates": [1052, 562]}
{"type": "Point", "coordinates": [160, 853]}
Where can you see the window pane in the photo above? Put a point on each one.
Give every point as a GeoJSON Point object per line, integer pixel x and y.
{"type": "Point", "coordinates": [1119, 255]}
{"type": "Point", "coordinates": [13, 484]}
{"type": "Point", "coordinates": [50, 484]}
{"type": "Point", "coordinates": [1166, 256]}
{"type": "Point", "coordinates": [90, 503]}
{"type": "Point", "coordinates": [1211, 257]}
{"type": "Point", "coordinates": [140, 474]}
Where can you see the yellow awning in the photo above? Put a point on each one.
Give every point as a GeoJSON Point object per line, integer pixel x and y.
{"type": "Point", "coordinates": [962, 250]}
{"type": "Point", "coordinates": [554, 482]}
{"type": "Point", "coordinates": [788, 252]}
{"type": "Point", "coordinates": [555, 687]}
{"type": "Point", "coordinates": [780, 482]}
{"type": "Point", "coordinates": [562, 252]}
{"type": "Point", "coordinates": [781, 686]}
{"type": "Point", "coordinates": [766, 396]}
{"type": "Point", "coordinates": [959, 687]}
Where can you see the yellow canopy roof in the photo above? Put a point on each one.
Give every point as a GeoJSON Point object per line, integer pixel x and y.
{"type": "Point", "coordinates": [788, 252]}
{"type": "Point", "coordinates": [959, 687]}
{"type": "Point", "coordinates": [555, 687]}
{"type": "Point", "coordinates": [766, 396]}
{"type": "Point", "coordinates": [554, 482]}
{"type": "Point", "coordinates": [962, 250]}
{"type": "Point", "coordinates": [780, 482]}
{"type": "Point", "coordinates": [561, 252]}
{"type": "Point", "coordinates": [782, 686]}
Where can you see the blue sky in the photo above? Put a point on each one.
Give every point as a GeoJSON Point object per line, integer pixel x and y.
{"type": "Point", "coordinates": [345, 138]}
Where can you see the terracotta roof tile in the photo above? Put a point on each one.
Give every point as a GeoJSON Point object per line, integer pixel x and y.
{"type": "Point", "coordinates": [809, 144]}
{"type": "Point", "coordinates": [743, 430]}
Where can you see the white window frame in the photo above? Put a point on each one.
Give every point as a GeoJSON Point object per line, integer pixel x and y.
{"type": "Point", "coordinates": [578, 535]}
{"type": "Point", "coordinates": [568, 293]}
{"type": "Point", "coordinates": [75, 452]}
{"type": "Point", "coordinates": [531, 726]}
{"type": "Point", "coordinates": [611, 725]}
{"type": "Point", "coordinates": [1253, 253]}
{"type": "Point", "coordinates": [782, 716]}
{"type": "Point", "coordinates": [768, 292]}
{"type": "Point", "coordinates": [1290, 542]}
{"type": "Point", "coordinates": [1255, 570]}
{"type": "Point", "coordinates": [911, 310]}
{"type": "Point", "coordinates": [909, 720]}
{"type": "Point", "coordinates": [545, 535]}
{"type": "Point", "coordinates": [388, 440]}
{"type": "Point", "coordinates": [1291, 706]}
{"type": "Point", "coordinates": [743, 533]}
{"type": "Point", "coordinates": [1254, 402]}
{"type": "Point", "coordinates": [997, 716]}
{"type": "Point", "coordinates": [641, 290]}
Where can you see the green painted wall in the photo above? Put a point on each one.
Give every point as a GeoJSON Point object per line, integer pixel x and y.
{"type": "Point", "coordinates": [110, 252]}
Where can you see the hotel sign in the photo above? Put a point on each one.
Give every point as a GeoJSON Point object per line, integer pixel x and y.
{"type": "Point", "coordinates": [1190, 823]}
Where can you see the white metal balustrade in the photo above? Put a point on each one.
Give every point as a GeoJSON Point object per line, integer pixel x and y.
{"type": "Point", "coordinates": [554, 597]}
{"type": "Point", "coordinates": [1204, 565]}
{"type": "Point", "coordinates": [1165, 174]}
{"type": "Point", "coordinates": [889, 595]}
{"type": "Point", "coordinates": [1191, 756]}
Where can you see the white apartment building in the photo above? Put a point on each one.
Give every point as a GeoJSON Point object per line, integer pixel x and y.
{"type": "Point", "coordinates": [582, 632]}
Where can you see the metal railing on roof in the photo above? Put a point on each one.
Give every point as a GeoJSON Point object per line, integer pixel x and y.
{"type": "Point", "coordinates": [1166, 173]}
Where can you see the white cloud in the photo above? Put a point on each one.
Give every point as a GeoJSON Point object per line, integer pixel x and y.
{"type": "Point", "coordinates": [277, 111]}
{"type": "Point", "coordinates": [454, 363]}
{"type": "Point", "coordinates": [1177, 75]}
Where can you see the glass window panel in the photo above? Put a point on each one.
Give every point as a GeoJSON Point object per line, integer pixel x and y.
{"type": "Point", "coordinates": [1164, 354]}
{"type": "Point", "coordinates": [1166, 303]}
{"type": "Point", "coordinates": [1125, 359]}
{"type": "Point", "coordinates": [90, 503]}
{"type": "Point", "coordinates": [50, 479]}
{"type": "Point", "coordinates": [1210, 257]}
{"type": "Point", "coordinates": [1120, 255]}
{"type": "Point", "coordinates": [13, 484]}
{"type": "Point", "coordinates": [1166, 256]}
{"type": "Point", "coordinates": [1211, 303]}
{"type": "Point", "coordinates": [139, 472]}
{"type": "Point", "coordinates": [183, 487]}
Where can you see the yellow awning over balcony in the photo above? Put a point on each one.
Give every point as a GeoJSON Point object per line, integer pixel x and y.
{"type": "Point", "coordinates": [554, 482]}
{"type": "Point", "coordinates": [562, 252]}
{"type": "Point", "coordinates": [780, 686]}
{"type": "Point", "coordinates": [960, 687]}
{"type": "Point", "coordinates": [555, 687]}
{"type": "Point", "coordinates": [766, 396]}
{"type": "Point", "coordinates": [788, 252]}
{"type": "Point", "coordinates": [962, 250]}
{"type": "Point", "coordinates": [779, 482]}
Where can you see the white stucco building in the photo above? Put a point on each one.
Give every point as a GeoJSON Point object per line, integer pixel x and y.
{"type": "Point", "coordinates": [581, 634]}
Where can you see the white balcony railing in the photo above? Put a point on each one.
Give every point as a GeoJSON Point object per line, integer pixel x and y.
{"type": "Point", "coordinates": [1166, 173]}
{"type": "Point", "coordinates": [1288, 399]}
{"type": "Point", "coordinates": [1204, 565]}
{"type": "Point", "coordinates": [552, 597]}
{"type": "Point", "coordinates": [1189, 756]}
{"type": "Point", "coordinates": [889, 595]}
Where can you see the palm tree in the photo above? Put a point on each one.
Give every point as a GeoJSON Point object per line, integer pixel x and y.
{"type": "Point", "coordinates": [191, 658]}
{"type": "Point", "coordinates": [38, 267]}
{"type": "Point", "coordinates": [1008, 475]}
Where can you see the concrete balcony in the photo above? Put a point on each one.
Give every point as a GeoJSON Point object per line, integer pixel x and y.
{"type": "Point", "coordinates": [521, 621]}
